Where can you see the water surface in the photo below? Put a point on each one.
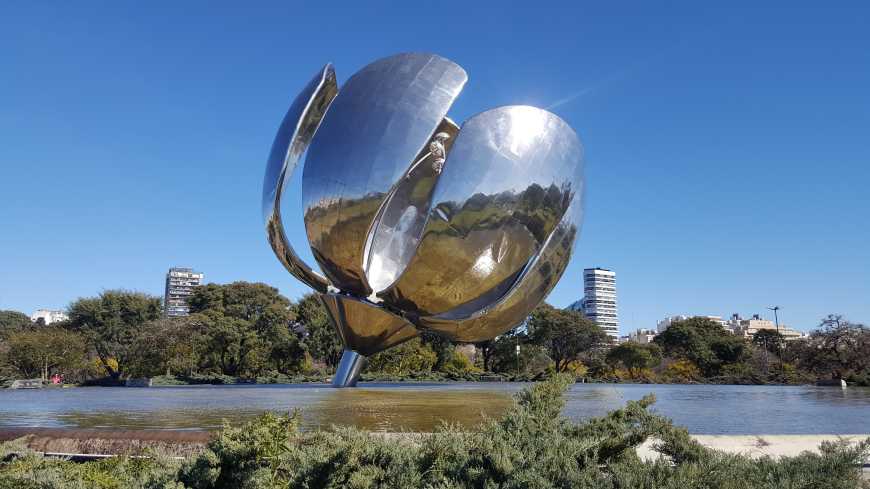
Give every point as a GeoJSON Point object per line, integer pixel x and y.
{"type": "Point", "coordinates": [703, 409]}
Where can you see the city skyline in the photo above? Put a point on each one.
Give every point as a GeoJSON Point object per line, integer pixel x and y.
{"type": "Point", "coordinates": [722, 168]}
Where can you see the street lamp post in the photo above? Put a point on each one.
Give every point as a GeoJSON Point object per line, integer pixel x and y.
{"type": "Point", "coordinates": [775, 310]}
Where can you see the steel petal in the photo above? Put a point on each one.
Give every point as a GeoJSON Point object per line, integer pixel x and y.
{"type": "Point", "coordinates": [399, 224]}
{"type": "Point", "coordinates": [363, 327]}
{"type": "Point", "coordinates": [532, 287]}
{"type": "Point", "coordinates": [506, 185]}
{"type": "Point", "coordinates": [295, 133]}
{"type": "Point", "coordinates": [379, 122]}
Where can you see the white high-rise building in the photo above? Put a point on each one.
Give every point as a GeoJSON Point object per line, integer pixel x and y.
{"type": "Point", "coordinates": [599, 301]}
{"type": "Point", "coordinates": [180, 283]}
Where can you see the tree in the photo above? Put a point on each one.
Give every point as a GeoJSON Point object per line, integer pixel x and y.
{"type": "Point", "coordinates": [320, 339]}
{"type": "Point", "coordinates": [247, 328]}
{"type": "Point", "coordinates": [769, 341]}
{"type": "Point", "coordinates": [703, 341]}
{"type": "Point", "coordinates": [110, 323]}
{"type": "Point", "coordinates": [838, 348]}
{"type": "Point", "coordinates": [46, 350]}
{"type": "Point", "coordinates": [408, 357]}
{"type": "Point", "coordinates": [167, 346]}
{"type": "Point", "coordinates": [12, 322]}
{"type": "Point", "coordinates": [487, 349]}
{"type": "Point", "coordinates": [442, 347]}
{"type": "Point", "coordinates": [634, 356]}
{"type": "Point", "coordinates": [564, 334]}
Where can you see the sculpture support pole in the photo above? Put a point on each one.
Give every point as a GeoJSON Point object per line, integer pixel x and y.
{"type": "Point", "coordinates": [348, 370]}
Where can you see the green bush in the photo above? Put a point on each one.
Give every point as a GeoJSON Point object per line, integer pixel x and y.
{"type": "Point", "coordinates": [532, 446]}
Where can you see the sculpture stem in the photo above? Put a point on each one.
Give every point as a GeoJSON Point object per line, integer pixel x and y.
{"type": "Point", "coordinates": [349, 368]}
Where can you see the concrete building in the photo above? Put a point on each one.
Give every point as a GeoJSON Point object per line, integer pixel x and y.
{"type": "Point", "coordinates": [599, 300]}
{"type": "Point", "coordinates": [642, 336]}
{"type": "Point", "coordinates": [48, 316]}
{"type": "Point", "coordinates": [180, 283]}
{"type": "Point", "coordinates": [748, 327]}
{"type": "Point", "coordinates": [665, 323]}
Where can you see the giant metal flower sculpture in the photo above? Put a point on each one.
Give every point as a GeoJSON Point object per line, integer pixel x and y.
{"type": "Point", "coordinates": [416, 223]}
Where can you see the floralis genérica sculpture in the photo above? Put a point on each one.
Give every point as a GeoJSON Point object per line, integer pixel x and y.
{"type": "Point", "coordinates": [418, 223]}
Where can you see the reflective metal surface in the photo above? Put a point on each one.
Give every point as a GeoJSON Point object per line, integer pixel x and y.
{"type": "Point", "coordinates": [534, 284]}
{"type": "Point", "coordinates": [399, 224]}
{"type": "Point", "coordinates": [290, 143]}
{"type": "Point", "coordinates": [380, 121]}
{"type": "Point", "coordinates": [507, 182]}
{"type": "Point", "coordinates": [348, 370]}
{"type": "Point", "coordinates": [364, 327]}
{"type": "Point", "coordinates": [417, 223]}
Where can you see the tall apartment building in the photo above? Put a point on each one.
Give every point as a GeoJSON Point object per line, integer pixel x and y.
{"type": "Point", "coordinates": [180, 283]}
{"type": "Point", "coordinates": [599, 301]}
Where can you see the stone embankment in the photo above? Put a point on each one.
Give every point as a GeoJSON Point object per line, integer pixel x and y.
{"type": "Point", "coordinates": [108, 441]}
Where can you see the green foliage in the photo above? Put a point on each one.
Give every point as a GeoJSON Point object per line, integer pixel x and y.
{"type": "Point", "coordinates": [245, 328]}
{"type": "Point", "coordinates": [13, 322]}
{"type": "Point", "coordinates": [442, 347]}
{"type": "Point", "coordinates": [769, 340]}
{"type": "Point", "coordinates": [410, 356]}
{"type": "Point", "coordinates": [704, 342]}
{"type": "Point", "coordinates": [531, 362]}
{"type": "Point", "coordinates": [45, 351]}
{"type": "Point", "coordinates": [634, 357]}
{"type": "Point", "coordinates": [110, 322]}
{"type": "Point", "coordinates": [681, 371]}
{"type": "Point", "coordinates": [167, 346]}
{"type": "Point", "coordinates": [249, 331]}
{"type": "Point", "coordinates": [565, 334]}
{"type": "Point", "coordinates": [25, 469]}
{"type": "Point", "coordinates": [321, 340]}
{"type": "Point", "coordinates": [531, 446]}
{"type": "Point", "coordinates": [459, 365]}
{"type": "Point", "coordinates": [837, 349]}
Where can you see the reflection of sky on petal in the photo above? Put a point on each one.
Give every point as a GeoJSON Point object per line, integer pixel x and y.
{"type": "Point", "coordinates": [527, 128]}
{"type": "Point", "coordinates": [709, 409]}
{"type": "Point", "coordinates": [484, 264]}
{"type": "Point", "coordinates": [507, 150]}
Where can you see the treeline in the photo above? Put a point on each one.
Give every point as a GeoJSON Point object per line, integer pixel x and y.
{"type": "Point", "coordinates": [700, 350]}
{"type": "Point", "coordinates": [249, 331]}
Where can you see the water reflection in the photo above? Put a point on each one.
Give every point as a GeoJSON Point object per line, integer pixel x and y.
{"type": "Point", "coordinates": [420, 407]}
{"type": "Point", "coordinates": [401, 410]}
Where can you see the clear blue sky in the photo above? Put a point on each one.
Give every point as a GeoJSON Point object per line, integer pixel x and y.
{"type": "Point", "coordinates": [728, 148]}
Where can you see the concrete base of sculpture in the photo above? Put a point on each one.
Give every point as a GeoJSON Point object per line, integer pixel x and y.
{"type": "Point", "coordinates": [347, 373]}
{"type": "Point", "coordinates": [139, 382]}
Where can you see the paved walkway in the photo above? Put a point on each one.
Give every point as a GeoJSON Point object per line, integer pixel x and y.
{"type": "Point", "coordinates": [761, 445]}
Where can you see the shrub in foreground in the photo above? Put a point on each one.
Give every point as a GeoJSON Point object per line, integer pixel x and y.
{"type": "Point", "coordinates": [532, 446]}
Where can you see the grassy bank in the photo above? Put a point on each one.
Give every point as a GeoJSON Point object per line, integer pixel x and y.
{"type": "Point", "coordinates": [531, 446]}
